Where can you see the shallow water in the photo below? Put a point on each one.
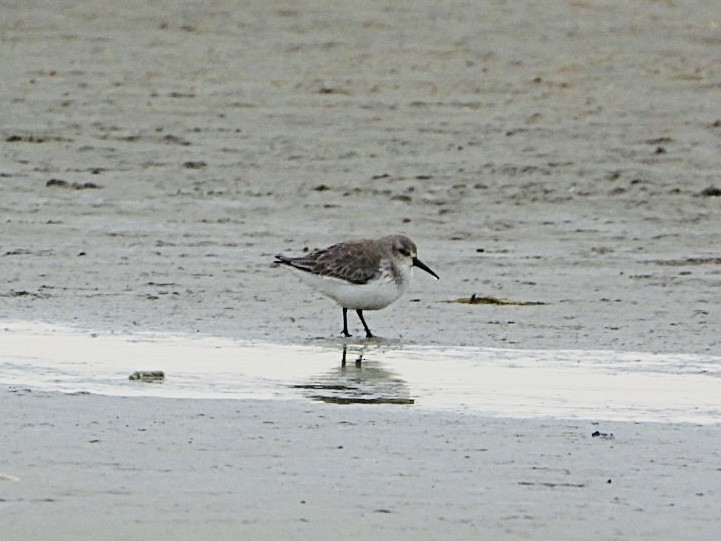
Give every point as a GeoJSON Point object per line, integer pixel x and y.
{"type": "Point", "coordinates": [497, 382]}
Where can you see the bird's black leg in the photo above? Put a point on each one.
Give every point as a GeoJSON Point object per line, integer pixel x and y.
{"type": "Point", "coordinates": [345, 323]}
{"type": "Point", "coordinates": [369, 334]}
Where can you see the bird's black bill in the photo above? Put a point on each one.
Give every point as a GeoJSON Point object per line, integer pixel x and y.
{"type": "Point", "coordinates": [418, 263]}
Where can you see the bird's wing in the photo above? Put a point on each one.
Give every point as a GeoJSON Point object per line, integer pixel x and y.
{"type": "Point", "coordinates": [346, 261]}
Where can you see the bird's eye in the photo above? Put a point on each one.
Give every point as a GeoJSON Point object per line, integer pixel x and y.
{"type": "Point", "coordinates": [404, 251]}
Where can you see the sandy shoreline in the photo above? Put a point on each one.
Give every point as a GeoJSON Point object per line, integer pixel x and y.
{"type": "Point", "coordinates": [79, 466]}
{"type": "Point", "coordinates": [130, 468]}
{"type": "Point", "coordinates": [554, 155]}
{"type": "Point", "coordinates": [154, 156]}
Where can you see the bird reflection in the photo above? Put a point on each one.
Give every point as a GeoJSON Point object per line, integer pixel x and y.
{"type": "Point", "coordinates": [358, 381]}
{"type": "Point", "coordinates": [358, 361]}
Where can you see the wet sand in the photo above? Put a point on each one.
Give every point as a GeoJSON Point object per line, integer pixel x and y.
{"type": "Point", "coordinates": [156, 156]}
{"type": "Point", "coordinates": [556, 154]}
{"type": "Point", "coordinates": [129, 468]}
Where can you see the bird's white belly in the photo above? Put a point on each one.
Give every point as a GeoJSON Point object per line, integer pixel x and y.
{"type": "Point", "coordinates": [372, 296]}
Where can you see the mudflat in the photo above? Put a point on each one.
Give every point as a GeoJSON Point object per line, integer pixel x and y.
{"type": "Point", "coordinates": [564, 153]}
{"type": "Point", "coordinates": [559, 159]}
{"type": "Point", "coordinates": [89, 466]}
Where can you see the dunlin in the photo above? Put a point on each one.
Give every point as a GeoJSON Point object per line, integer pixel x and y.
{"type": "Point", "coordinates": [359, 275]}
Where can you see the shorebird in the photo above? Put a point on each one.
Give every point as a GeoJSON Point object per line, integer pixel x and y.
{"type": "Point", "coordinates": [359, 275]}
